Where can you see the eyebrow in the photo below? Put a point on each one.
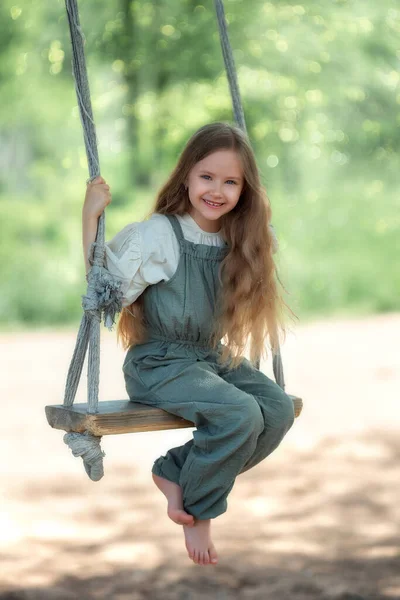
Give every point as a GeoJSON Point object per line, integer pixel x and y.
{"type": "Point", "coordinates": [210, 173]}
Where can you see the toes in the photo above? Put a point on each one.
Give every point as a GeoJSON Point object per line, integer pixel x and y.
{"type": "Point", "coordinates": [189, 551]}
{"type": "Point", "coordinates": [213, 555]}
{"type": "Point", "coordinates": [201, 558]}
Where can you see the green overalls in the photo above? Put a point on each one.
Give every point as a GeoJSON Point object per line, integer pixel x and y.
{"type": "Point", "coordinates": [240, 415]}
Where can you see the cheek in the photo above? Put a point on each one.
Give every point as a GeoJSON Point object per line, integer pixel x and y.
{"type": "Point", "coordinates": [199, 188]}
{"type": "Point", "coordinates": [234, 193]}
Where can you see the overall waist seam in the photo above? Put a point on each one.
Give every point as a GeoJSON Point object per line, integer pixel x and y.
{"type": "Point", "coordinates": [163, 338]}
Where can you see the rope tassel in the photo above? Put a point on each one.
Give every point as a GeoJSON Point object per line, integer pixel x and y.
{"type": "Point", "coordinates": [103, 296]}
{"type": "Point", "coordinates": [87, 446]}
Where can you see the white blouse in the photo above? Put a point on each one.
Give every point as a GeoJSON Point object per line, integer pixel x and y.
{"type": "Point", "coordinates": [147, 252]}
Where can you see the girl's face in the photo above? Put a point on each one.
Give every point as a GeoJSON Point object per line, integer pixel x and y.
{"type": "Point", "coordinates": [214, 186]}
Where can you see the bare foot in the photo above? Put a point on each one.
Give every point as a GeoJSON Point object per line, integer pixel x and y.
{"type": "Point", "coordinates": [198, 543]}
{"type": "Point", "coordinates": [173, 494]}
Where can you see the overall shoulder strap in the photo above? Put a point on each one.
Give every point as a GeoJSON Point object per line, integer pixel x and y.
{"type": "Point", "coordinates": [176, 226]}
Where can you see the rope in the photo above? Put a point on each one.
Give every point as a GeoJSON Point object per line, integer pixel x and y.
{"type": "Point", "coordinates": [230, 65]}
{"type": "Point", "coordinates": [240, 121]}
{"type": "Point", "coordinates": [87, 446]}
{"type": "Point", "coordinates": [103, 295]}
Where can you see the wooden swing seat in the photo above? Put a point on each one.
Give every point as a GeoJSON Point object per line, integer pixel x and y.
{"type": "Point", "coordinates": [121, 416]}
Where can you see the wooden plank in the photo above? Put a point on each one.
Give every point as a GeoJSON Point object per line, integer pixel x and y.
{"type": "Point", "coordinates": [297, 405]}
{"type": "Point", "coordinates": [113, 417]}
{"type": "Point", "coordinates": [121, 416]}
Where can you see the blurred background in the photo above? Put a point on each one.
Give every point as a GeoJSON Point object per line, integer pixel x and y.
{"type": "Point", "coordinates": [320, 84]}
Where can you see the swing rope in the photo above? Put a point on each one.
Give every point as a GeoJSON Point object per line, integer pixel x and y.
{"type": "Point", "coordinates": [229, 65]}
{"type": "Point", "coordinates": [103, 296]}
{"type": "Point", "coordinates": [240, 121]}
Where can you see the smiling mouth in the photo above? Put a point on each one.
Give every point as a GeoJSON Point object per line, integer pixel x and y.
{"type": "Point", "coordinates": [213, 204]}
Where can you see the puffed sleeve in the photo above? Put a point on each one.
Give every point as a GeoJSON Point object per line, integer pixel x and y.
{"type": "Point", "coordinates": [123, 259]}
{"type": "Point", "coordinates": [142, 254]}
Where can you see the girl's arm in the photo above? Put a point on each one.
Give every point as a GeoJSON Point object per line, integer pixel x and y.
{"type": "Point", "coordinates": [89, 230]}
{"type": "Point", "coordinates": [98, 196]}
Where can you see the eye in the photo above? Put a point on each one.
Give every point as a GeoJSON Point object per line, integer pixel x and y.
{"type": "Point", "coordinates": [205, 176]}
{"type": "Point", "coordinates": [231, 181]}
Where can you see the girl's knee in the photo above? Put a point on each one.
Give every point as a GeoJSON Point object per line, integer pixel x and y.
{"type": "Point", "coordinates": [250, 417]}
{"type": "Point", "coordinates": [279, 411]}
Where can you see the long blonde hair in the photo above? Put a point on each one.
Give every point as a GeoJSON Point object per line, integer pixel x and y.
{"type": "Point", "coordinates": [251, 305]}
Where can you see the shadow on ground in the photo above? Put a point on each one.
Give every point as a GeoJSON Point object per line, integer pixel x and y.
{"type": "Point", "coordinates": [320, 524]}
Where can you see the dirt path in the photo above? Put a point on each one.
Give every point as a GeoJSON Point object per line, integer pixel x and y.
{"type": "Point", "coordinates": [319, 519]}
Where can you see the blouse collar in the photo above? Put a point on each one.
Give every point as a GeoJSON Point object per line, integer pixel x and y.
{"type": "Point", "coordinates": [188, 219]}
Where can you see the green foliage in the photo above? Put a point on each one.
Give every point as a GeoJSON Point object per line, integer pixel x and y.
{"type": "Point", "coordinates": [321, 90]}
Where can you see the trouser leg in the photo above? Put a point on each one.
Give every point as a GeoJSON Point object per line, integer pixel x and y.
{"type": "Point", "coordinates": [170, 465]}
{"type": "Point", "coordinates": [276, 407]}
{"type": "Point", "coordinates": [228, 423]}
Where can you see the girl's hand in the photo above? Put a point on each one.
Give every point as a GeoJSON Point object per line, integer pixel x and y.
{"type": "Point", "coordinates": [98, 196]}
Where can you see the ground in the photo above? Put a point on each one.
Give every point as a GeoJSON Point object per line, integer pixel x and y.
{"type": "Point", "coordinates": [319, 519]}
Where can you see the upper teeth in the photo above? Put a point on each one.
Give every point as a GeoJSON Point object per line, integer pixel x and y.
{"type": "Point", "coordinates": [213, 203]}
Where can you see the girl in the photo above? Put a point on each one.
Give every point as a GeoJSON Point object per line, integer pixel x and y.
{"type": "Point", "coordinates": [198, 270]}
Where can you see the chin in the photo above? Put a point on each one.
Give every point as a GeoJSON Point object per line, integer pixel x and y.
{"type": "Point", "coordinates": [212, 217]}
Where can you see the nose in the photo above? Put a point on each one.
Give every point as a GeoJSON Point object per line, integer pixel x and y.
{"type": "Point", "coordinates": [216, 191]}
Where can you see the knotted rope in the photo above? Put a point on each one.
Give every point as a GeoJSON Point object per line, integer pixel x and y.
{"type": "Point", "coordinates": [239, 118]}
{"type": "Point", "coordinates": [87, 446]}
{"type": "Point", "coordinates": [103, 294]}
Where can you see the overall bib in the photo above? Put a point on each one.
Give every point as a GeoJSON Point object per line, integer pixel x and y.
{"type": "Point", "coordinates": [241, 415]}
